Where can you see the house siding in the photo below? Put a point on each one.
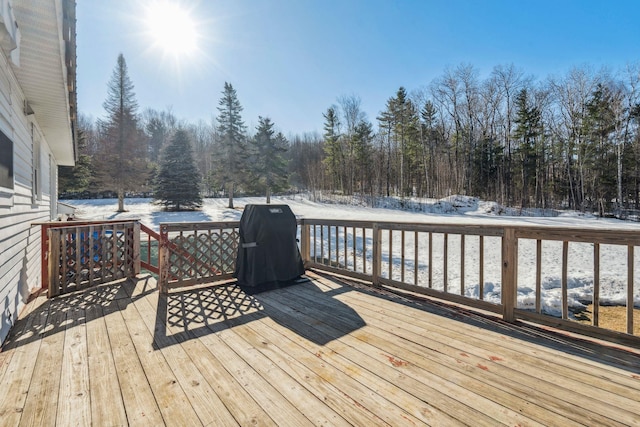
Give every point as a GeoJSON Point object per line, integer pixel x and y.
{"type": "Point", "coordinates": [20, 251]}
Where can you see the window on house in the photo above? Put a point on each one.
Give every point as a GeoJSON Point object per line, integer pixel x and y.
{"type": "Point", "coordinates": [36, 190]}
{"type": "Point", "coordinates": [6, 164]}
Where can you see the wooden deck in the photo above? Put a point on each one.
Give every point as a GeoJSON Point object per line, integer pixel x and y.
{"type": "Point", "coordinates": [324, 352]}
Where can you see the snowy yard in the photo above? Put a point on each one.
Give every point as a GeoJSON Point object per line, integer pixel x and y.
{"type": "Point", "coordinates": [455, 210]}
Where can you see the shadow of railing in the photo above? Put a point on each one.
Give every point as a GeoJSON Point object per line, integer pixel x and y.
{"type": "Point", "coordinates": [67, 311]}
{"type": "Point", "coordinates": [189, 314]}
{"type": "Point", "coordinates": [571, 344]}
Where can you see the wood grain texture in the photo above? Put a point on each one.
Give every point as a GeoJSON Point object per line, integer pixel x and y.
{"type": "Point", "coordinates": [332, 351]}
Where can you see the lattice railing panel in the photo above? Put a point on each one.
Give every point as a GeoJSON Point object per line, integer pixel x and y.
{"type": "Point", "coordinates": [197, 252]}
{"type": "Point", "coordinates": [86, 255]}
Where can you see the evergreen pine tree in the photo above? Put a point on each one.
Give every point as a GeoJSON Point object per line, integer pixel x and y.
{"type": "Point", "coordinates": [361, 142]}
{"type": "Point", "coordinates": [600, 158]}
{"type": "Point", "coordinates": [176, 186]}
{"type": "Point", "coordinates": [528, 130]}
{"type": "Point", "coordinates": [334, 153]}
{"type": "Point", "coordinates": [231, 157]}
{"type": "Point", "coordinates": [270, 167]}
{"type": "Point", "coordinates": [120, 161]}
{"type": "Point", "coordinates": [77, 178]}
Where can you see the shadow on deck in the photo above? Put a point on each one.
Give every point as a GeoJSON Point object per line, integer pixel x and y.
{"type": "Point", "coordinates": [329, 351]}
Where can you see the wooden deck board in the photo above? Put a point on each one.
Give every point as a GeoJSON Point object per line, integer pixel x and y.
{"type": "Point", "coordinates": [168, 392]}
{"type": "Point", "coordinates": [326, 352]}
{"type": "Point", "coordinates": [474, 405]}
{"type": "Point", "coordinates": [524, 373]}
{"type": "Point", "coordinates": [200, 393]}
{"type": "Point", "coordinates": [41, 405]}
{"type": "Point", "coordinates": [104, 385]}
{"type": "Point", "coordinates": [74, 404]}
{"type": "Point", "coordinates": [140, 404]}
{"type": "Point", "coordinates": [448, 365]}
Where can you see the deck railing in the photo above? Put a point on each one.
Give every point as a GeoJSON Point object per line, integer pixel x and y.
{"type": "Point", "coordinates": [483, 266]}
{"type": "Point", "coordinates": [200, 252]}
{"type": "Point", "coordinates": [81, 255]}
{"type": "Point", "coordinates": [487, 266]}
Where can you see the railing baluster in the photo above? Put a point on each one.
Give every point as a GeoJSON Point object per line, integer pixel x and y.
{"type": "Point", "coordinates": [538, 275]}
{"type": "Point", "coordinates": [630, 301]}
{"type": "Point", "coordinates": [445, 254]}
{"type": "Point", "coordinates": [78, 257]}
{"type": "Point", "coordinates": [337, 246]}
{"type": "Point", "coordinates": [364, 250]}
{"type": "Point", "coordinates": [390, 254]}
{"type": "Point", "coordinates": [344, 243]}
{"type": "Point", "coordinates": [353, 247]}
{"type": "Point", "coordinates": [114, 252]}
{"type": "Point", "coordinates": [415, 257]}
{"type": "Point", "coordinates": [462, 264]}
{"type": "Point", "coordinates": [315, 243]}
{"type": "Point", "coordinates": [565, 293]}
{"type": "Point", "coordinates": [90, 266]}
{"type": "Point", "coordinates": [596, 284]}
{"type": "Point", "coordinates": [322, 244]}
{"type": "Point", "coordinates": [329, 244]}
{"type": "Point", "coordinates": [103, 250]}
{"type": "Point", "coordinates": [402, 240]}
{"type": "Point", "coordinates": [430, 260]}
{"type": "Point", "coordinates": [64, 235]}
{"type": "Point", "coordinates": [481, 268]}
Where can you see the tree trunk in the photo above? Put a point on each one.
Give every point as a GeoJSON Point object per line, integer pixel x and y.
{"type": "Point", "coordinates": [120, 200]}
{"type": "Point", "coordinates": [268, 195]}
{"type": "Point", "coordinates": [230, 189]}
{"type": "Point", "coordinates": [619, 161]}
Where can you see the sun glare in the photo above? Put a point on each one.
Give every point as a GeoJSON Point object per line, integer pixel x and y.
{"type": "Point", "coordinates": [171, 28]}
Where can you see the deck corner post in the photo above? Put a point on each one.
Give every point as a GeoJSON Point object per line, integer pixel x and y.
{"type": "Point", "coordinates": [53, 265]}
{"type": "Point", "coordinates": [377, 255]}
{"type": "Point", "coordinates": [163, 260]}
{"type": "Point", "coordinates": [509, 273]}
{"type": "Point", "coordinates": [305, 243]}
{"type": "Point", "coordinates": [136, 248]}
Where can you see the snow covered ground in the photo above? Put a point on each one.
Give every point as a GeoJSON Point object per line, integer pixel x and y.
{"type": "Point", "coordinates": [451, 210]}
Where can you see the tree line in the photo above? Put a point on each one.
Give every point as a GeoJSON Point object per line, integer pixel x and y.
{"type": "Point", "coordinates": [571, 141]}
{"type": "Point", "coordinates": [564, 142]}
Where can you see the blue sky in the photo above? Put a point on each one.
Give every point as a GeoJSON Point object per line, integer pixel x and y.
{"type": "Point", "coordinates": [291, 59]}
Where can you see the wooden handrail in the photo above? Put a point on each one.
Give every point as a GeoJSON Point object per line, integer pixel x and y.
{"type": "Point", "coordinates": [391, 248]}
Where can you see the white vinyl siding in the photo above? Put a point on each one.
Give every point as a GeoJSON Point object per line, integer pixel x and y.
{"type": "Point", "coordinates": [20, 253]}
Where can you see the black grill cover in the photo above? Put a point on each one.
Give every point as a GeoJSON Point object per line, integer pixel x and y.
{"type": "Point", "coordinates": [268, 251]}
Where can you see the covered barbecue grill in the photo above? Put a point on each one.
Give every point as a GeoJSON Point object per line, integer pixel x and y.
{"type": "Point", "coordinates": [268, 254]}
